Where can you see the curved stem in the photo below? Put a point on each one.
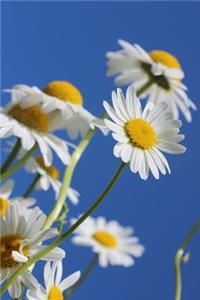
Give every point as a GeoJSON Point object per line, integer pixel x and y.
{"type": "Point", "coordinates": [20, 163]}
{"type": "Point", "coordinates": [83, 277]}
{"type": "Point", "coordinates": [71, 167]}
{"type": "Point", "coordinates": [32, 185]}
{"type": "Point", "coordinates": [62, 237]}
{"type": "Point", "coordinates": [11, 156]}
{"type": "Point", "coordinates": [67, 178]}
{"type": "Point", "coordinates": [179, 258]}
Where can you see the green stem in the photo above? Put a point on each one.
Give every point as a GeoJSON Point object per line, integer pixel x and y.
{"type": "Point", "coordinates": [83, 277]}
{"type": "Point", "coordinates": [62, 237]}
{"type": "Point", "coordinates": [179, 258]}
{"type": "Point", "coordinates": [70, 169]}
{"type": "Point", "coordinates": [145, 87]}
{"type": "Point", "coordinates": [67, 179]}
{"type": "Point", "coordinates": [20, 163]}
{"type": "Point", "coordinates": [32, 185]}
{"type": "Point", "coordinates": [11, 156]}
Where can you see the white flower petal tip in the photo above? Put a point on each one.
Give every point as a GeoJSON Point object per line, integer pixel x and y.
{"type": "Point", "coordinates": [113, 243]}
{"type": "Point", "coordinates": [132, 64]}
{"type": "Point", "coordinates": [142, 135]}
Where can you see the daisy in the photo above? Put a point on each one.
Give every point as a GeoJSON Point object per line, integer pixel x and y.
{"type": "Point", "coordinates": [54, 287]}
{"type": "Point", "coordinates": [21, 238]}
{"type": "Point", "coordinates": [142, 135]}
{"type": "Point", "coordinates": [114, 244]}
{"type": "Point", "coordinates": [49, 176]}
{"type": "Point", "coordinates": [63, 101]}
{"type": "Point", "coordinates": [5, 200]}
{"type": "Point", "coordinates": [134, 65]}
{"type": "Point", "coordinates": [32, 125]}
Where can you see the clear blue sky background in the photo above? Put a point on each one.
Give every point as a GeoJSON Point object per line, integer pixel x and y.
{"type": "Point", "coordinates": [63, 40]}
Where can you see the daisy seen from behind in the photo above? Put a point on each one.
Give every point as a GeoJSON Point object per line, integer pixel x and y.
{"type": "Point", "coordinates": [54, 285]}
{"type": "Point", "coordinates": [113, 243]}
{"type": "Point", "coordinates": [132, 64]}
{"type": "Point", "coordinates": [142, 135]}
{"type": "Point", "coordinates": [21, 238]}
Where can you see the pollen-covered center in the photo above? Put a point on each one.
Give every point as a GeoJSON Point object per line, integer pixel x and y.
{"type": "Point", "coordinates": [32, 117]}
{"type": "Point", "coordinates": [105, 238]}
{"type": "Point", "coordinates": [165, 58]}
{"type": "Point", "coordinates": [64, 91]}
{"type": "Point", "coordinates": [4, 203]}
{"type": "Point", "coordinates": [141, 133]}
{"type": "Point", "coordinates": [55, 293]}
{"type": "Point", "coordinates": [8, 244]}
{"type": "Point", "coordinates": [52, 170]}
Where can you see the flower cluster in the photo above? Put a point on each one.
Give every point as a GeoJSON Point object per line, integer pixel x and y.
{"type": "Point", "coordinates": [34, 116]}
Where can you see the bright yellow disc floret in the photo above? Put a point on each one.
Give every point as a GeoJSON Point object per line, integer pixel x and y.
{"type": "Point", "coordinates": [55, 293]}
{"type": "Point", "coordinates": [105, 238]}
{"type": "Point", "coordinates": [64, 91]}
{"type": "Point", "coordinates": [165, 58]}
{"type": "Point", "coordinates": [141, 133]}
{"type": "Point", "coordinates": [4, 203]}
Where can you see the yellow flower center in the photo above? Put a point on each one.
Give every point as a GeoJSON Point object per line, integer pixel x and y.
{"type": "Point", "coordinates": [32, 117]}
{"type": "Point", "coordinates": [165, 58]}
{"type": "Point", "coordinates": [141, 133]}
{"type": "Point", "coordinates": [55, 293]}
{"type": "Point", "coordinates": [4, 203]}
{"type": "Point", "coordinates": [8, 244]}
{"type": "Point", "coordinates": [64, 91]}
{"type": "Point", "coordinates": [105, 238]}
{"type": "Point", "coordinates": [52, 171]}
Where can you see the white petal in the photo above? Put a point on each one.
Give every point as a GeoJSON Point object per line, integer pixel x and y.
{"type": "Point", "coordinates": [70, 280]}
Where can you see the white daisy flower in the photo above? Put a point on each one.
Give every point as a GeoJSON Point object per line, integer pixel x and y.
{"type": "Point", "coordinates": [32, 125]}
{"type": "Point", "coordinates": [142, 135]}
{"type": "Point", "coordinates": [134, 65]}
{"type": "Point", "coordinates": [63, 101]}
{"type": "Point", "coordinates": [54, 287]}
{"type": "Point", "coordinates": [49, 176]}
{"type": "Point", "coordinates": [21, 238]}
{"type": "Point", "coordinates": [114, 244]}
{"type": "Point", "coordinates": [5, 200]}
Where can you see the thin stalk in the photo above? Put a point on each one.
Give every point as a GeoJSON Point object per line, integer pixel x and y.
{"type": "Point", "coordinates": [11, 156]}
{"type": "Point", "coordinates": [32, 185]}
{"type": "Point", "coordinates": [67, 179]}
{"type": "Point", "coordinates": [62, 237]}
{"type": "Point", "coordinates": [71, 167]}
{"type": "Point", "coordinates": [179, 258]}
{"type": "Point", "coordinates": [145, 87]}
{"type": "Point", "coordinates": [83, 277]}
{"type": "Point", "coordinates": [18, 165]}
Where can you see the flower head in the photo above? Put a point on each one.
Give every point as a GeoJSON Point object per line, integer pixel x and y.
{"type": "Point", "coordinates": [31, 125]}
{"type": "Point", "coordinates": [21, 238]}
{"type": "Point", "coordinates": [142, 136]}
{"type": "Point", "coordinates": [5, 200]}
{"type": "Point", "coordinates": [54, 287]}
{"type": "Point", "coordinates": [113, 243]}
{"type": "Point", "coordinates": [49, 176]}
{"type": "Point", "coordinates": [134, 65]}
{"type": "Point", "coordinates": [62, 101]}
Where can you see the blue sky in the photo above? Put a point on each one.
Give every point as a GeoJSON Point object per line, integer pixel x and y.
{"type": "Point", "coordinates": [44, 41]}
